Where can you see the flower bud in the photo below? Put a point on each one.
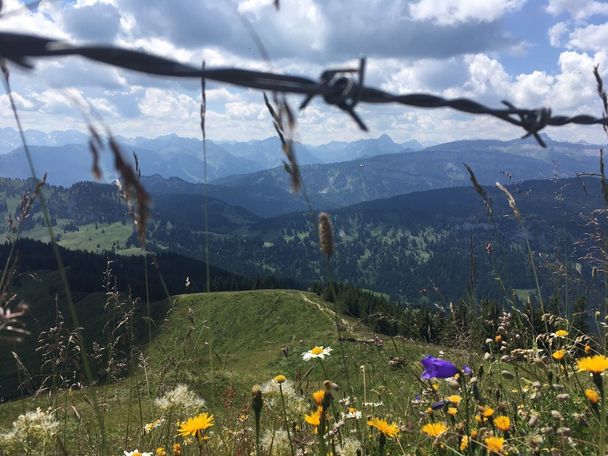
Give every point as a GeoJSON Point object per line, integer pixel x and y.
{"type": "Point", "coordinates": [326, 239]}
{"type": "Point", "coordinates": [507, 375]}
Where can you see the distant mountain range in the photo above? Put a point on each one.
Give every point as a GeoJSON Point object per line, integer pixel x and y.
{"type": "Point", "coordinates": [267, 193]}
{"type": "Point", "coordinates": [251, 175]}
{"type": "Point", "coordinates": [65, 155]}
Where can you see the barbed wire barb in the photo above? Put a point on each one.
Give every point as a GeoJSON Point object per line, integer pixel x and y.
{"type": "Point", "coordinates": [338, 87]}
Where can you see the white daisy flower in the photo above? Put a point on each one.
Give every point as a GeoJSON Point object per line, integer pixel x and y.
{"type": "Point", "coordinates": [316, 352]}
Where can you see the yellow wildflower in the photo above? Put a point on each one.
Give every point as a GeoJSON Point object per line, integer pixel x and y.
{"type": "Point", "coordinates": [498, 339]}
{"type": "Point", "coordinates": [434, 429]}
{"type": "Point", "coordinates": [502, 422]}
{"type": "Point", "coordinates": [314, 419]}
{"type": "Point", "coordinates": [487, 412]}
{"type": "Point", "coordinates": [587, 348]}
{"type": "Point", "coordinates": [494, 444]}
{"type": "Point", "coordinates": [464, 442]}
{"type": "Point", "coordinates": [318, 396]}
{"type": "Point", "coordinates": [452, 411]}
{"type": "Point", "coordinates": [280, 378]}
{"type": "Point", "coordinates": [454, 399]}
{"type": "Point", "coordinates": [561, 333]}
{"type": "Point", "coordinates": [177, 449]}
{"type": "Point", "coordinates": [389, 430]}
{"type": "Point", "coordinates": [594, 364]}
{"type": "Point", "coordinates": [559, 354]}
{"type": "Point", "coordinates": [196, 425]}
{"type": "Point", "coordinates": [160, 451]}
{"type": "Point", "coordinates": [592, 396]}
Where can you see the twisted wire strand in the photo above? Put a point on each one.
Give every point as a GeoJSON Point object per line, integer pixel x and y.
{"type": "Point", "coordinates": [338, 87]}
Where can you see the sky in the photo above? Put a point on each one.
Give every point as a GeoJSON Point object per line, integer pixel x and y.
{"type": "Point", "coordinates": [532, 53]}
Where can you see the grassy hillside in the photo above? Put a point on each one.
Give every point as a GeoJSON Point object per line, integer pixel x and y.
{"type": "Point", "coordinates": [220, 344]}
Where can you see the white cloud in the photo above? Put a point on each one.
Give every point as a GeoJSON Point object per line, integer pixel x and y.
{"type": "Point", "coordinates": [241, 111]}
{"type": "Point", "coordinates": [43, 21]}
{"type": "Point", "coordinates": [591, 37]}
{"type": "Point", "coordinates": [172, 106]}
{"type": "Point", "coordinates": [220, 95]}
{"type": "Point", "coordinates": [556, 33]}
{"type": "Point", "coordinates": [577, 9]}
{"type": "Point", "coordinates": [532, 89]}
{"type": "Point", "coordinates": [21, 102]}
{"type": "Point", "coordinates": [487, 76]}
{"type": "Point", "coordinates": [449, 12]}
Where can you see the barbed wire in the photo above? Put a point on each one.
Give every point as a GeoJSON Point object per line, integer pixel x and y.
{"type": "Point", "coordinates": [343, 88]}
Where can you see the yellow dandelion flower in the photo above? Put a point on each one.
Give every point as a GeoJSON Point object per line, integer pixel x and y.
{"type": "Point", "coordinates": [464, 443]}
{"type": "Point", "coordinates": [389, 430]}
{"type": "Point", "coordinates": [452, 411]}
{"type": "Point", "coordinates": [478, 418]}
{"type": "Point", "coordinates": [559, 354]}
{"type": "Point", "coordinates": [494, 444]}
{"type": "Point", "coordinates": [196, 425]}
{"type": "Point", "coordinates": [160, 451]}
{"type": "Point", "coordinates": [314, 418]}
{"type": "Point", "coordinates": [592, 396]}
{"type": "Point", "coordinates": [454, 399]}
{"type": "Point", "coordinates": [474, 433]}
{"type": "Point", "coordinates": [318, 396]}
{"type": "Point", "coordinates": [487, 412]}
{"type": "Point", "coordinates": [177, 449]}
{"type": "Point", "coordinates": [502, 422]}
{"type": "Point", "coordinates": [435, 386]}
{"type": "Point", "coordinates": [280, 378]}
{"type": "Point", "coordinates": [594, 364]}
{"type": "Point", "coordinates": [561, 333]}
{"type": "Point", "coordinates": [434, 429]}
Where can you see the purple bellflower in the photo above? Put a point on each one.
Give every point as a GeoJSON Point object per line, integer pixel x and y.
{"type": "Point", "coordinates": [437, 368]}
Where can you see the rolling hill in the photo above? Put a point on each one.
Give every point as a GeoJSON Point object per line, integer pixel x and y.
{"type": "Point", "coordinates": [38, 285]}
{"type": "Point", "coordinates": [403, 246]}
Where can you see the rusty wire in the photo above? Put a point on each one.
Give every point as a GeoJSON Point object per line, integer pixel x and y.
{"type": "Point", "coordinates": [343, 88]}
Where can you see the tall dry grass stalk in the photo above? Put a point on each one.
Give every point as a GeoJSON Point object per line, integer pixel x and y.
{"type": "Point", "coordinates": [487, 200]}
{"type": "Point", "coordinates": [326, 244]}
{"type": "Point", "coordinates": [284, 123]}
{"type": "Point", "coordinates": [517, 213]}
{"type": "Point", "coordinates": [203, 115]}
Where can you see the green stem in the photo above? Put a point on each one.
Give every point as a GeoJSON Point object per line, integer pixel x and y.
{"type": "Point", "coordinates": [285, 419]}
{"type": "Point", "coordinates": [597, 379]}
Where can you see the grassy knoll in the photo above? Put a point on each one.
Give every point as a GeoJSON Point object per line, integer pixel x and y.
{"type": "Point", "coordinates": [220, 344]}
